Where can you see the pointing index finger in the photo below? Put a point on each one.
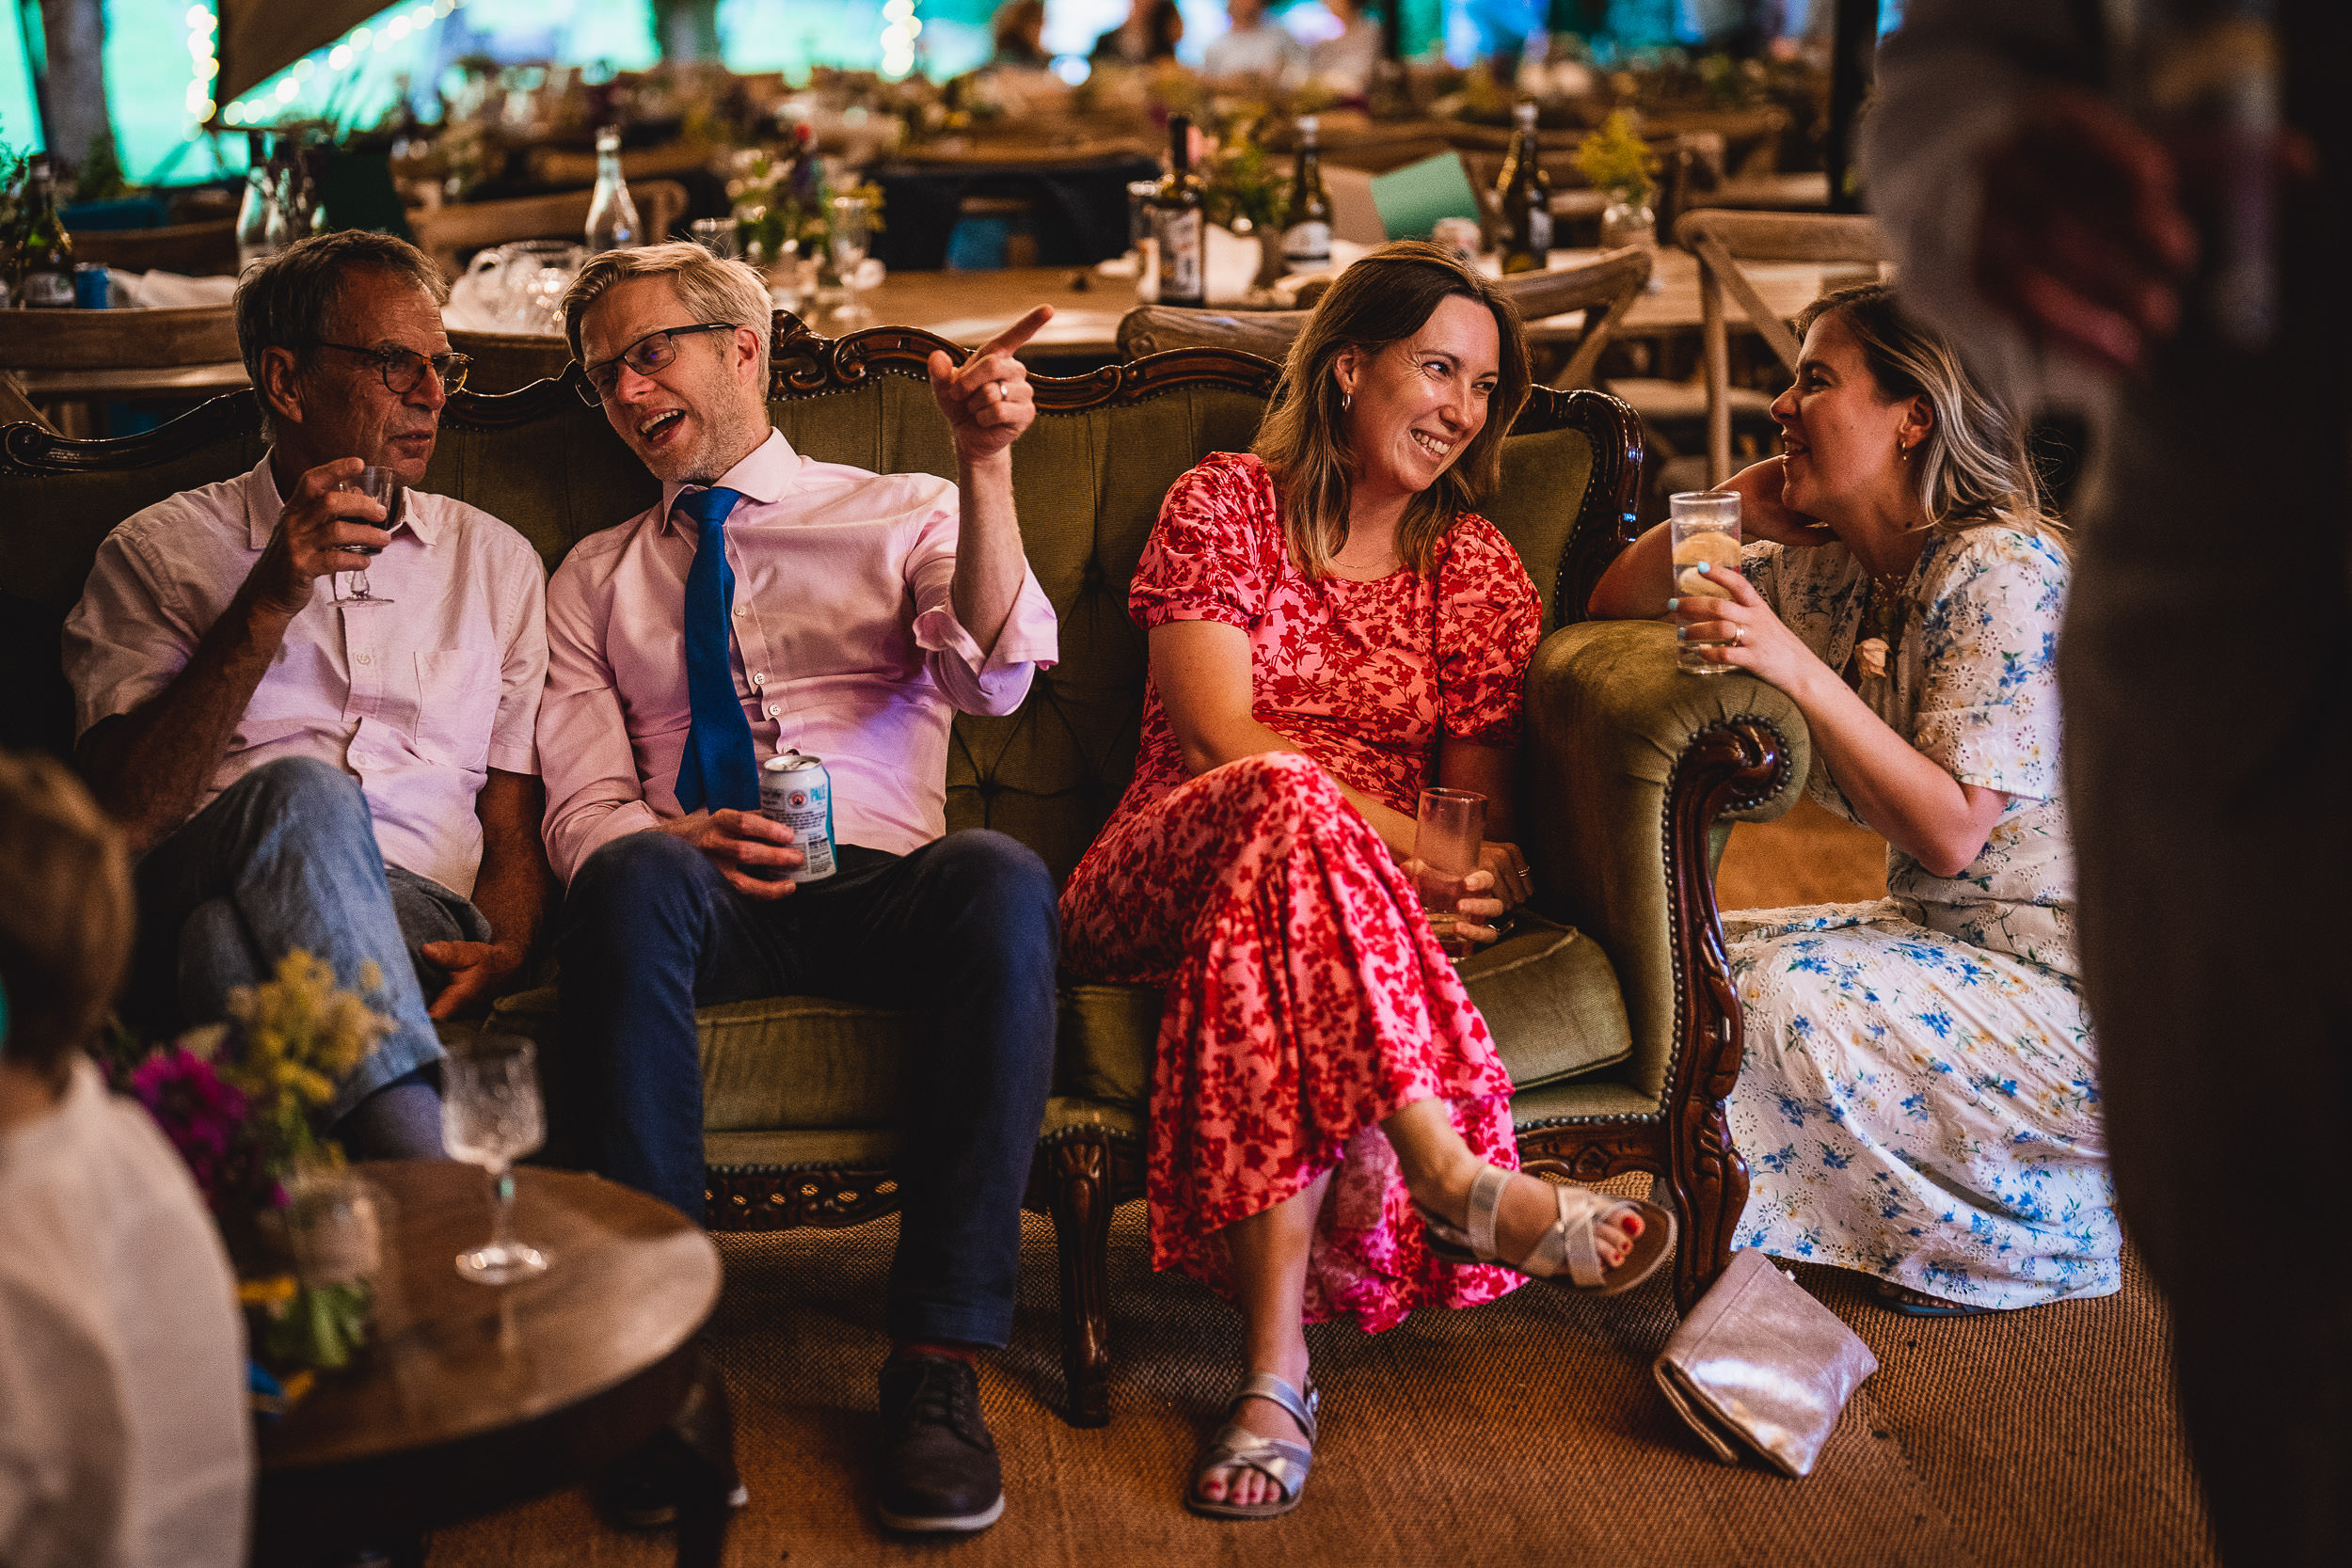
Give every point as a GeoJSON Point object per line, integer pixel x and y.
{"type": "Point", "coordinates": [1015, 336]}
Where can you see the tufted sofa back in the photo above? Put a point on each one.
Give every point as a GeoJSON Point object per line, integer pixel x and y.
{"type": "Point", "coordinates": [1088, 481]}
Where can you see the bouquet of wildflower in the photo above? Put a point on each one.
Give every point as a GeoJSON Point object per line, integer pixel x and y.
{"type": "Point", "coordinates": [1615, 158]}
{"type": "Point", "coordinates": [243, 1101]}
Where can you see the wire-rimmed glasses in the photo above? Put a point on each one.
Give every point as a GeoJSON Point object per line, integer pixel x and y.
{"type": "Point", "coordinates": [403, 368]}
{"type": "Point", "coordinates": [653, 352]}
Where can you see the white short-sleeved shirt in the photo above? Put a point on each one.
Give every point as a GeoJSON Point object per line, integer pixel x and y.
{"type": "Point", "coordinates": [124, 1441]}
{"type": "Point", "coordinates": [1973, 684]}
{"type": "Point", "coordinates": [417, 698]}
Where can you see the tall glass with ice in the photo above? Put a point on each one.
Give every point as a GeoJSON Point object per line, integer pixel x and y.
{"type": "Point", "coordinates": [1704, 527]}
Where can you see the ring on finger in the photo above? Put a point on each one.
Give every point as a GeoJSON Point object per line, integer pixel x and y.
{"type": "Point", "coordinates": [999, 387]}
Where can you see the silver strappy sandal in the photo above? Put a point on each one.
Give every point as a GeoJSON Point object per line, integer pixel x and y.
{"type": "Point", "coordinates": [1568, 1247]}
{"type": "Point", "coordinates": [1283, 1463]}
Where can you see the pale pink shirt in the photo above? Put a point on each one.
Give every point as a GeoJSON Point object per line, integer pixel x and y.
{"type": "Point", "coordinates": [417, 698]}
{"type": "Point", "coordinates": [845, 646]}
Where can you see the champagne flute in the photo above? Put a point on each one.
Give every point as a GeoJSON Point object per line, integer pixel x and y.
{"type": "Point", "coordinates": [490, 1117]}
{"type": "Point", "coordinates": [379, 484]}
{"type": "Point", "coordinates": [1450, 826]}
{"type": "Point", "coordinates": [848, 233]}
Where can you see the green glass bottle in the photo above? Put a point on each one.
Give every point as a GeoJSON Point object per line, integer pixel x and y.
{"type": "Point", "coordinates": [44, 251]}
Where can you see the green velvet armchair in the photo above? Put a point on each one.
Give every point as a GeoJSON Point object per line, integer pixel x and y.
{"type": "Point", "coordinates": [1616, 1016]}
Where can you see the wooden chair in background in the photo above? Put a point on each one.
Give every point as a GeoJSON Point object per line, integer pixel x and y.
{"type": "Point", "coordinates": [509, 361]}
{"type": "Point", "coordinates": [452, 233]}
{"type": "Point", "coordinates": [1603, 288]}
{"type": "Point", "coordinates": [197, 250]}
{"type": "Point", "coordinates": [69, 360]}
{"type": "Point", "coordinates": [1722, 240]}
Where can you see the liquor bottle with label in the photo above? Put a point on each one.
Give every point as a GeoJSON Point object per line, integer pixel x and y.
{"type": "Point", "coordinates": [1306, 222]}
{"type": "Point", "coordinates": [44, 251]}
{"type": "Point", "coordinates": [1180, 222]}
{"type": "Point", "coordinates": [612, 215]}
{"type": "Point", "coordinates": [253, 242]}
{"type": "Point", "coordinates": [1524, 192]}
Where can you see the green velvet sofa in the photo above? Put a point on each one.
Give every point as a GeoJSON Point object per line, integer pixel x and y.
{"type": "Point", "coordinates": [1618, 1019]}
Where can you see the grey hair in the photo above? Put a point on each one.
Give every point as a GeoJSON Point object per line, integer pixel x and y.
{"type": "Point", "coordinates": [286, 301]}
{"type": "Point", "coordinates": [1974, 467]}
{"type": "Point", "coordinates": [712, 289]}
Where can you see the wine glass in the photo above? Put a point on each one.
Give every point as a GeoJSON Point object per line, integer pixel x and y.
{"type": "Point", "coordinates": [380, 485]}
{"type": "Point", "coordinates": [1450, 826]}
{"type": "Point", "coordinates": [848, 234]}
{"type": "Point", "coordinates": [490, 1117]}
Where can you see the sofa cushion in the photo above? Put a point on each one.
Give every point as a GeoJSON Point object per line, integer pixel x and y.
{"type": "Point", "coordinates": [1551, 997]}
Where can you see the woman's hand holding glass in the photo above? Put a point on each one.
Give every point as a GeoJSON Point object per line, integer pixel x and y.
{"type": "Point", "coordinates": [1500, 884]}
{"type": "Point", "coordinates": [1745, 633]}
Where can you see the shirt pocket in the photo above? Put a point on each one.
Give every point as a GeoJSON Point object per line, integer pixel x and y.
{"type": "Point", "coordinates": [457, 703]}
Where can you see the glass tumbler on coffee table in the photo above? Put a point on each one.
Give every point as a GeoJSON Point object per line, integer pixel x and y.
{"type": "Point", "coordinates": [1450, 827]}
{"type": "Point", "coordinates": [378, 484]}
{"type": "Point", "coordinates": [1704, 529]}
{"type": "Point", "coordinates": [490, 1117]}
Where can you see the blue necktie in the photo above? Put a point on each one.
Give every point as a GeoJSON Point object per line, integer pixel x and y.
{"type": "Point", "coordinates": [720, 769]}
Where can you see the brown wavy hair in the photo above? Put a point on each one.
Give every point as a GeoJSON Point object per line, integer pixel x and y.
{"type": "Point", "coordinates": [1383, 299]}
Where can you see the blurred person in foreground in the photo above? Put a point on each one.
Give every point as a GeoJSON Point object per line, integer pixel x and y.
{"type": "Point", "coordinates": [298, 767]}
{"type": "Point", "coordinates": [2186, 283]}
{"type": "Point", "coordinates": [772, 603]}
{"type": "Point", "coordinates": [1331, 627]}
{"type": "Point", "coordinates": [124, 1441]}
{"type": "Point", "coordinates": [1919, 1096]}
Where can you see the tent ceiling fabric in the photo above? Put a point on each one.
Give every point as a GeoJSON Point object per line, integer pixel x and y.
{"type": "Point", "coordinates": [260, 38]}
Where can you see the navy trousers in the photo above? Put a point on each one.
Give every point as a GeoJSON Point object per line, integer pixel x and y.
{"type": "Point", "coordinates": [963, 930]}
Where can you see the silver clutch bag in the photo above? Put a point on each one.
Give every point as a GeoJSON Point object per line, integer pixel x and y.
{"type": "Point", "coordinates": [1761, 1367]}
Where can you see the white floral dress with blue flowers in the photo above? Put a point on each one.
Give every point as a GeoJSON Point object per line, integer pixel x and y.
{"type": "Point", "coordinates": [1920, 1095]}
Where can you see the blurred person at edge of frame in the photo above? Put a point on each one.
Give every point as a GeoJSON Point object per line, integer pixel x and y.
{"type": "Point", "coordinates": [124, 1441]}
{"type": "Point", "coordinates": [1147, 36]}
{"type": "Point", "coordinates": [2141, 208]}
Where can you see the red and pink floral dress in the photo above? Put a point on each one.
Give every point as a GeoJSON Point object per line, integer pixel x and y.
{"type": "Point", "coordinates": [1307, 999]}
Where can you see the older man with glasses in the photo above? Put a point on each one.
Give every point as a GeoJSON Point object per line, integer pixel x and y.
{"type": "Point", "coordinates": [772, 602]}
{"type": "Point", "coordinates": [301, 765]}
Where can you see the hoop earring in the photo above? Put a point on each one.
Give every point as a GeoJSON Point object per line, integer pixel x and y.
{"type": "Point", "coordinates": [1347, 401]}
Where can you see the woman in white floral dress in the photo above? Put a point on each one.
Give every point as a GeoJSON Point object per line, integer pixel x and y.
{"type": "Point", "coordinates": [1920, 1095]}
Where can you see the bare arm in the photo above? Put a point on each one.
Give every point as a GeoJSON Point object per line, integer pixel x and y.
{"type": "Point", "coordinates": [511, 893]}
{"type": "Point", "coordinates": [148, 766]}
{"type": "Point", "coordinates": [988, 405]}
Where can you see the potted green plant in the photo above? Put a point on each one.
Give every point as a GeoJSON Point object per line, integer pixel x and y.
{"type": "Point", "coordinates": [1615, 158]}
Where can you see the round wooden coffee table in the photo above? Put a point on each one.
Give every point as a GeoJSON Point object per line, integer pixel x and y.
{"type": "Point", "coordinates": [474, 1397]}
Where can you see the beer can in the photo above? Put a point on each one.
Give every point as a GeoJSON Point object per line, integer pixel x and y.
{"type": "Point", "coordinates": [797, 791]}
{"type": "Point", "coordinates": [93, 287]}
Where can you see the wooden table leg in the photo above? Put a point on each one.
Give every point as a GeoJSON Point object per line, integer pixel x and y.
{"type": "Point", "coordinates": [704, 1428]}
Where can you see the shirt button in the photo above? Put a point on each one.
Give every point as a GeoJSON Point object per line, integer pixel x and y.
{"type": "Point", "coordinates": [774, 708]}
{"type": "Point", "coordinates": [364, 659]}
{"type": "Point", "coordinates": [739, 610]}
{"type": "Point", "coordinates": [760, 679]}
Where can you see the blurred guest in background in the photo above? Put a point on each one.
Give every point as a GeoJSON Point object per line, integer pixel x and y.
{"type": "Point", "coordinates": [1344, 63]}
{"type": "Point", "coordinates": [1253, 49]}
{"type": "Point", "coordinates": [301, 766]}
{"type": "Point", "coordinates": [124, 1441]}
{"type": "Point", "coordinates": [1150, 34]}
{"type": "Point", "coordinates": [1018, 34]}
{"type": "Point", "coordinates": [2184, 275]}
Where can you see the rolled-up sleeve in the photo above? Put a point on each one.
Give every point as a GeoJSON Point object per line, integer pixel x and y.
{"type": "Point", "coordinates": [128, 636]}
{"type": "Point", "coordinates": [586, 757]}
{"type": "Point", "coordinates": [994, 682]}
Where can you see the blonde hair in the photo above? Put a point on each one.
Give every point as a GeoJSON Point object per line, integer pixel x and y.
{"type": "Point", "coordinates": [66, 922]}
{"type": "Point", "coordinates": [1974, 467]}
{"type": "Point", "coordinates": [711, 290]}
{"type": "Point", "coordinates": [1383, 299]}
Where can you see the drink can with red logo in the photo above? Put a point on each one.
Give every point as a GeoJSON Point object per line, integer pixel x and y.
{"type": "Point", "coordinates": [797, 791]}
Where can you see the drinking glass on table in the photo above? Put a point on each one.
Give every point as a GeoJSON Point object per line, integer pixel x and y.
{"type": "Point", "coordinates": [490, 1117]}
{"type": "Point", "coordinates": [1450, 826]}
{"type": "Point", "coordinates": [716, 235]}
{"type": "Point", "coordinates": [848, 232]}
{"type": "Point", "coordinates": [379, 484]}
{"type": "Point", "coordinates": [1704, 529]}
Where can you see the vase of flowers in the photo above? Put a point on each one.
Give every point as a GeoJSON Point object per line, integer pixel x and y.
{"type": "Point", "coordinates": [245, 1103]}
{"type": "Point", "coordinates": [1615, 158]}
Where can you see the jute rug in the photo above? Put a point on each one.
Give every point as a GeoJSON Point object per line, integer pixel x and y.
{"type": "Point", "coordinates": [1525, 1432]}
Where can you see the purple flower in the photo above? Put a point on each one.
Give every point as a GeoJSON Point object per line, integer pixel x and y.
{"type": "Point", "coordinates": [203, 1117]}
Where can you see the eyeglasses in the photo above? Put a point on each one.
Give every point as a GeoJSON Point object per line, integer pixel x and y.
{"type": "Point", "coordinates": [403, 368]}
{"type": "Point", "coordinates": [648, 353]}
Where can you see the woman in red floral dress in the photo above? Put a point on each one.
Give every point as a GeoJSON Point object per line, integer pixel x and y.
{"type": "Point", "coordinates": [1331, 628]}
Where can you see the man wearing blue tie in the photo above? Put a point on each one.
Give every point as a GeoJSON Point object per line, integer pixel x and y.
{"type": "Point", "coordinates": [772, 603]}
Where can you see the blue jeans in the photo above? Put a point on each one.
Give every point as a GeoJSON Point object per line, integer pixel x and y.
{"type": "Point", "coordinates": [285, 858]}
{"type": "Point", "coordinates": [963, 930]}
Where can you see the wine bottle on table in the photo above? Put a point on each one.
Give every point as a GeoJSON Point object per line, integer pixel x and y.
{"type": "Point", "coordinates": [1180, 222]}
{"type": "Point", "coordinates": [1524, 192]}
{"type": "Point", "coordinates": [612, 215]}
{"type": "Point", "coordinates": [1307, 221]}
{"type": "Point", "coordinates": [44, 251]}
